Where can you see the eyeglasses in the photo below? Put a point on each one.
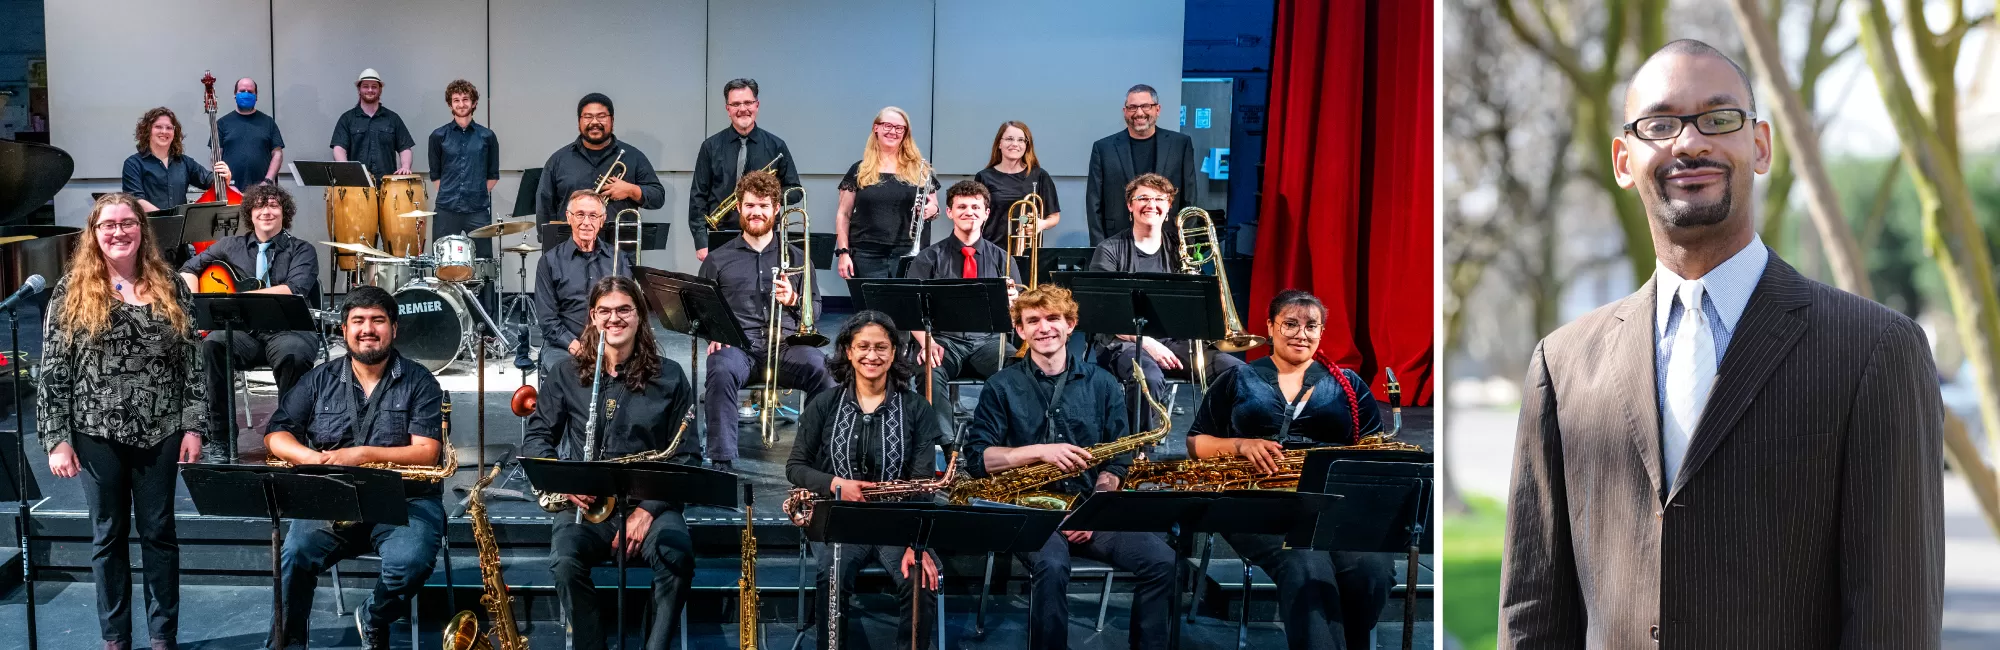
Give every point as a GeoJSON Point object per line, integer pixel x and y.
{"type": "Point", "coordinates": [1014, 140]}
{"type": "Point", "coordinates": [1295, 328]}
{"type": "Point", "coordinates": [622, 312]}
{"type": "Point", "coordinates": [1151, 199]}
{"type": "Point", "coordinates": [877, 350]}
{"type": "Point", "coordinates": [742, 104]}
{"type": "Point", "coordinates": [594, 216]}
{"type": "Point", "coordinates": [117, 226]}
{"type": "Point", "coordinates": [1140, 107]}
{"type": "Point", "coordinates": [1668, 127]}
{"type": "Point", "coordinates": [892, 129]}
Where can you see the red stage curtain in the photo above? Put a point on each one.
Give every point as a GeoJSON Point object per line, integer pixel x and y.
{"type": "Point", "coordinates": [1346, 208]}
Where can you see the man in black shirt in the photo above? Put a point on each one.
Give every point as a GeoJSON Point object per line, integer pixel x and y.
{"type": "Point", "coordinates": [974, 355]}
{"type": "Point", "coordinates": [743, 269]}
{"type": "Point", "coordinates": [374, 405]}
{"type": "Point", "coordinates": [465, 165]}
{"type": "Point", "coordinates": [643, 401]}
{"type": "Point", "coordinates": [1141, 148]}
{"type": "Point", "coordinates": [1145, 248]}
{"type": "Point", "coordinates": [250, 139]}
{"type": "Point", "coordinates": [278, 263]}
{"type": "Point", "coordinates": [729, 154]}
{"type": "Point", "coordinates": [565, 275]}
{"type": "Point", "coordinates": [579, 164]}
{"type": "Point", "coordinates": [1047, 411]}
{"type": "Point", "coordinates": [371, 134]}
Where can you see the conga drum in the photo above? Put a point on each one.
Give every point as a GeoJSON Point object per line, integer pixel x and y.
{"type": "Point", "coordinates": [350, 219]}
{"type": "Point", "coordinates": [402, 236]}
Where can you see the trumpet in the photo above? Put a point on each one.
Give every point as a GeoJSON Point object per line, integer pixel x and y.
{"type": "Point", "coordinates": [1197, 249]}
{"type": "Point", "coordinates": [729, 204]}
{"type": "Point", "coordinates": [775, 334]}
{"type": "Point", "coordinates": [615, 173]}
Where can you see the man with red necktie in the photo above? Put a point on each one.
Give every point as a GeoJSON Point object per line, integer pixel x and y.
{"type": "Point", "coordinates": [971, 355]}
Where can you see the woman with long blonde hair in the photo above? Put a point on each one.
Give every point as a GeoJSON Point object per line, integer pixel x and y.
{"type": "Point", "coordinates": [120, 400]}
{"type": "Point", "coordinates": [877, 196]}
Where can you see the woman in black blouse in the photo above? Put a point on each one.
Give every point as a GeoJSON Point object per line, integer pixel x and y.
{"type": "Point", "coordinates": [159, 175]}
{"type": "Point", "coordinates": [1013, 172]}
{"type": "Point", "coordinates": [1326, 599]}
{"type": "Point", "coordinates": [120, 399]}
{"type": "Point", "coordinates": [876, 195]}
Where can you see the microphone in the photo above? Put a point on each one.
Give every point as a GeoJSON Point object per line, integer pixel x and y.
{"type": "Point", "coordinates": [31, 287]}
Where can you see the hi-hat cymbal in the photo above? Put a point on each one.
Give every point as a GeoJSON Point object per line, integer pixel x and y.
{"type": "Point", "coordinates": [416, 214]}
{"type": "Point", "coordinates": [523, 248]}
{"type": "Point", "coordinates": [362, 249]}
{"type": "Point", "coordinates": [501, 229]}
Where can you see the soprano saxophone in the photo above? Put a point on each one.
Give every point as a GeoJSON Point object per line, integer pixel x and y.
{"type": "Point", "coordinates": [462, 633]}
{"type": "Point", "coordinates": [1022, 485]}
{"type": "Point", "coordinates": [746, 587]}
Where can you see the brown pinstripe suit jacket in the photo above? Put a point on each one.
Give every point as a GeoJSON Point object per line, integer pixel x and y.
{"type": "Point", "coordinates": [1807, 514]}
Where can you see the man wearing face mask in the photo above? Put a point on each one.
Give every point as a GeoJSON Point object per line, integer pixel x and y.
{"type": "Point", "coordinates": [251, 143]}
{"type": "Point", "coordinates": [578, 165]}
{"type": "Point", "coordinates": [372, 134]}
{"type": "Point", "coordinates": [738, 149]}
{"type": "Point", "coordinates": [1733, 456]}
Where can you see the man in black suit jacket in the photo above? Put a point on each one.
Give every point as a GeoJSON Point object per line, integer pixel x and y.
{"type": "Point", "coordinates": [1142, 147]}
{"type": "Point", "coordinates": [1734, 456]}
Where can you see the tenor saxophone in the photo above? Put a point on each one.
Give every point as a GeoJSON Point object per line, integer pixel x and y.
{"type": "Point", "coordinates": [746, 587]}
{"type": "Point", "coordinates": [1022, 485]}
{"type": "Point", "coordinates": [600, 509]}
{"type": "Point", "coordinates": [463, 631]}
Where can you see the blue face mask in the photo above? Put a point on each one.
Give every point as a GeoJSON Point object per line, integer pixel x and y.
{"type": "Point", "coordinates": [246, 100]}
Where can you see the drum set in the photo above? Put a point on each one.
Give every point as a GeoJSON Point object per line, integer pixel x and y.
{"type": "Point", "coordinates": [436, 286]}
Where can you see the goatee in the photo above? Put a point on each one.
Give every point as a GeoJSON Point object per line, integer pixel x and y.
{"type": "Point", "coordinates": [1681, 213]}
{"type": "Point", "coordinates": [372, 357]}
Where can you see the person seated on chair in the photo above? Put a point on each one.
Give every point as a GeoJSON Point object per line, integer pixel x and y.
{"type": "Point", "coordinates": [1047, 411]}
{"type": "Point", "coordinates": [643, 401]}
{"type": "Point", "coordinates": [271, 260]}
{"type": "Point", "coordinates": [566, 274]}
{"type": "Point", "coordinates": [1144, 249]}
{"type": "Point", "coordinates": [872, 428]}
{"type": "Point", "coordinates": [742, 268]}
{"type": "Point", "coordinates": [1327, 599]}
{"type": "Point", "coordinates": [372, 406]}
{"type": "Point", "coordinates": [972, 355]}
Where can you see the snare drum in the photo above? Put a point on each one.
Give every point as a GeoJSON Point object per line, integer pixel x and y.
{"type": "Point", "coordinates": [432, 321]}
{"type": "Point", "coordinates": [389, 273]}
{"type": "Point", "coordinates": [454, 256]}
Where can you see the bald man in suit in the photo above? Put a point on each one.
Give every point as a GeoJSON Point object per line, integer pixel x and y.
{"type": "Point", "coordinates": [1734, 456]}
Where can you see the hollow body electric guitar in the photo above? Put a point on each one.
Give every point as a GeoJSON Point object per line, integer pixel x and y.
{"type": "Point", "coordinates": [221, 277]}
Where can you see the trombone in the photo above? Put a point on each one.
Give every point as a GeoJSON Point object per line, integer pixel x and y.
{"type": "Point", "coordinates": [615, 173]}
{"type": "Point", "coordinates": [620, 237]}
{"type": "Point", "coordinates": [1197, 249]}
{"type": "Point", "coordinates": [774, 317]}
{"type": "Point", "coordinates": [729, 204]}
{"type": "Point", "coordinates": [1024, 237]}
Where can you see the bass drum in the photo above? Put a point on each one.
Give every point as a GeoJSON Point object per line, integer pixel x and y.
{"type": "Point", "coordinates": [350, 219]}
{"type": "Point", "coordinates": [431, 323]}
{"type": "Point", "coordinates": [401, 235]}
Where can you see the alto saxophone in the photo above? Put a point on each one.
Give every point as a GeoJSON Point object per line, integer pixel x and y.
{"type": "Point", "coordinates": [799, 502]}
{"type": "Point", "coordinates": [447, 465]}
{"type": "Point", "coordinates": [463, 631]}
{"type": "Point", "coordinates": [746, 587]}
{"type": "Point", "coordinates": [600, 509]}
{"type": "Point", "coordinates": [1022, 485]}
{"type": "Point", "coordinates": [1237, 473]}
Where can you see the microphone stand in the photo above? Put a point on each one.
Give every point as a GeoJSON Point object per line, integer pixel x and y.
{"type": "Point", "coordinates": [21, 477]}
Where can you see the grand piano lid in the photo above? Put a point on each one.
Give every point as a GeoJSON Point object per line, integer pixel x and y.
{"type": "Point", "coordinates": [30, 175]}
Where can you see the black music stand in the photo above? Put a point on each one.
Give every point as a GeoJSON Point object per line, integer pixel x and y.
{"type": "Point", "coordinates": [247, 312]}
{"type": "Point", "coordinates": [716, 238]}
{"type": "Point", "coordinates": [1389, 512]}
{"type": "Point", "coordinates": [311, 492]}
{"type": "Point", "coordinates": [1186, 514]}
{"type": "Point", "coordinates": [1057, 260]}
{"type": "Point", "coordinates": [524, 197]}
{"type": "Point", "coordinates": [951, 305]}
{"type": "Point", "coordinates": [655, 481]}
{"type": "Point", "coordinates": [330, 173]}
{"type": "Point", "coordinates": [929, 526]}
{"type": "Point", "coordinates": [1159, 305]}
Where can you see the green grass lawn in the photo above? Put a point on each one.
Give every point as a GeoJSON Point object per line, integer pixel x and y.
{"type": "Point", "coordinates": [1471, 559]}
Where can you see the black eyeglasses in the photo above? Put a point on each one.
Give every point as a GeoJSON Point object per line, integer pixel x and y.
{"type": "Point", "coordinates": [1668, 127]}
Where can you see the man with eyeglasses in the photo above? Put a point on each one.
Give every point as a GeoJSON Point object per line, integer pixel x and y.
{"type": "Point", "coordinates": [578, 165]}
{"type": "Point", "coordinates": [738, 149]}
{"type": "Point", "coordinates": [567, 272]}
{"type": "Point", "coordinates": [1142, 148]}
{"type": "Point", "coordinates": [1734, 455]}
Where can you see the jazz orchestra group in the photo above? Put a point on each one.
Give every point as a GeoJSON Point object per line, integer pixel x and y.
{"type": "Point", "coordinates": [128, 387]}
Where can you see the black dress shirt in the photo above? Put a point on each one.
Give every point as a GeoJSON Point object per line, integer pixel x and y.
{"type": "Point", "coordinates": [576, 167]}
{"type": "Point", "coordinates": [1011, 414]}
{"type": "Point", "coordinates": [811, 464]}
{"type": "Point", "coordinates": [462, 160]}
{"type": "Point", "coordinates": [715, 174]}
{"type": "Point", "coordinates": [373, 141]}
{"type": "Point", "coordinates": [946, 260]}
{"type": "Point", "coordinates": [1245, 402]}
{"type": "Point", "coordinates": [1119, 254]}
{"type": "Point", "coordinates": [562, 288]}
{"type": "Point", "coordinates": [247, 145]}
{"type": "Point", "coordinates": [293, 262]}
{"type": "Point", "coordinates": [879, 225]}
{"type": "Point", "coordinates": [1006, 189]}
{"type": "Point", "coordinates": [327, 410]}
{"type": "Point", "coordinates": [744, 275]}
{"type": "Point", "coordinates": [165, 185]}
{"type": "Point", "coordinates": [633, 422]}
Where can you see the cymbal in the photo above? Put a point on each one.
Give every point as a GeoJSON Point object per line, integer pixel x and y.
{"type": "Point", "coordinates": [501, 229]}
{"type": "Point", "coordinates": [362, 249]}
{"type": "Point", "coordinates": [416, 214]}
{"type": "Point", "coordinates": [523, 248]}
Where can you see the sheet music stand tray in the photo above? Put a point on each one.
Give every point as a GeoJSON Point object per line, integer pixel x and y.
{"type": "Point", "coordinates": [951, 305]}
{"type": "Point", "coordinates": [247, 312]}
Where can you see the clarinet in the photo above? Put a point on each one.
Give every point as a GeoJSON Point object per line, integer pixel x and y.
{"type": "Point", "coordinates": [917, 212]}
{"type": "Point", "coordinates": [833, 595]}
